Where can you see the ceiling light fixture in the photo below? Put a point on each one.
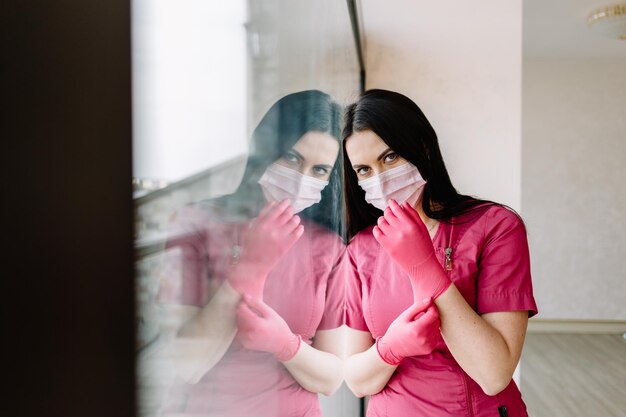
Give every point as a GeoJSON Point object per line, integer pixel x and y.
{"type": "Point", "coordinates": [609, 21]}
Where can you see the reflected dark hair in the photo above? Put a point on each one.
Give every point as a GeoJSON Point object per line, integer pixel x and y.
{"type": "Point", "coordinates": [400, 123]}
{"type": "Point", "coordinates": [281, 127]}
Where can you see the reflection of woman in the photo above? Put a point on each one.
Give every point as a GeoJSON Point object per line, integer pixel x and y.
{"type": "Point", "coordinates": [253, 356]}
{"type": "Point", "coordinates": [439, 288]}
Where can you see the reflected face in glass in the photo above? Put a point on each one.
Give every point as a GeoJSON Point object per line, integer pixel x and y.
{"type": "Point", "coordinates": [302, 172]}
{"type": "Point", "coordinates": [369, 155]}
{"type": "Point", "coordinates": [313, 155]}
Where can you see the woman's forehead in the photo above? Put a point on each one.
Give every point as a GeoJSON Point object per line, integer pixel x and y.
{"type": "Point", "coordinates": [317, 145]}
{"type": "Point", "coordinates": [364, 145]}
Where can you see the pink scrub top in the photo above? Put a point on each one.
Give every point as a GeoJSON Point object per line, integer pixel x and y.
{"type": "Point", "coordinates": [303, 289]}
{"type": "Point", "coordinates": [490, 266]}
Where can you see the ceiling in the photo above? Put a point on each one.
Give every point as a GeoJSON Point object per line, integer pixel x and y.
{"type": "Point", "coordinates": [558, 29]}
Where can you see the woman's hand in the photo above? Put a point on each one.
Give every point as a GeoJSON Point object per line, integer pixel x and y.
{"type": "Point", "coordinates": [415, 332]}
{"type": "Point", "coordinates": [261, 328]}
{"type": "Point", "coordinates": [269, 237]}
{"type": "Point", "coordinates": [403, 235]}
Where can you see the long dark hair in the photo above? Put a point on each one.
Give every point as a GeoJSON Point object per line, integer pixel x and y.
{"type": "Point", "coordinates": [281, 127]}
{"type": "Point", "coordinates": [400, 123]}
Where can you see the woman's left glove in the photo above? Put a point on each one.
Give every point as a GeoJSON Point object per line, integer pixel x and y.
{"type": "Point", "coordinates": [272, 234]}
{"type": "Point", "coordinates": [261, 328]}
{"type": "Point", "coordinates": [405, 238]}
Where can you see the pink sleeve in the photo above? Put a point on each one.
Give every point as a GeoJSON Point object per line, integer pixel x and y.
{"type": "Point", "coordinates": [185, 276]}
{"type": "Point", "coordinates": [335, 295]}
{"type": "Point", "coordinates": [354, 294]}
{"type": "Point", "coordinates": [504, 282]}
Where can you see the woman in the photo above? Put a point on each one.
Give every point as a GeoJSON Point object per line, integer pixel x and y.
{"type": "Point", "coordinates": [438, 283]}
{"type": "Point", "coordinates": [262, 304]}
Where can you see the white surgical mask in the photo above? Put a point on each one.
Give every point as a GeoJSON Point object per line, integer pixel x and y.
{"type": "Point", "coordinates": [280, 183]}
{"type": "Point", "coordinates": [403, 183]}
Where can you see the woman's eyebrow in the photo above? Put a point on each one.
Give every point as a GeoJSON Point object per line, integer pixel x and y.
{"type": "Point", "coordinates": [298, 154]}
{"type": "Point", "coordinates": [382, 155]}
{"type": "Point", "coordinates": [323, 166]}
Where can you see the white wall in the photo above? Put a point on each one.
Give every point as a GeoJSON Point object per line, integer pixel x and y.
{"type": "Point", "coordinates": [189, 86]}
{"type": "Point", "coordinates": [461, 63]}
{"type": "Point", "coordinates": [573, 185]}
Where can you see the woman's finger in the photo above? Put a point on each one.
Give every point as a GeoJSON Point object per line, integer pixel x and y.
{"type": "Point", "coordinates": [257, 305]}
{"type": "Point", "coordinates": [415, 309]}
{"type": "Point", "coordinates": [431, 315]}
{"type": "Point", "coordinates": [382, 223]}
{"type": "Point", "coordinates": [390, 215]}
{"type": "Point", "coordinates": [378, 234]}
{"type": "Point", "coordinates": [278, 210]}
{"type": "Point", "coordinates": [268, 207]}
{"type": "Point", "coordinates": [246, 317]}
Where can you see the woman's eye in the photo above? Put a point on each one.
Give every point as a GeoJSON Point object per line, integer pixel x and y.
{"type": "Point", "coordinates": [320, 171]}
{"type": "Point", "coordinates": [291, 159]}
{"type": "Point", "coordinates": [362, 171]}
{"type": "Point", "coordinates": [390, 157]}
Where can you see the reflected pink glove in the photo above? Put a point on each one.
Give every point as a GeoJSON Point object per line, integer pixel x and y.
{"type": "Point", "coordinates": [405, 238]}
{"type": "Point", "coordinates": [261, 328]}
{"type": "Point", "coordinates": [415, 332]}
{"type": "Point", "coordinates": [269, 237]}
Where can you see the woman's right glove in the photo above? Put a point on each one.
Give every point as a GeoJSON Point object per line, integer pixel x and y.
{"type": "Point", "coordinates": [405, 238]}
{"type": "Point", "coordinates": [415, 332]}
{"type": "Point", "coordinates": [259, 327]}
{"type": "Point", "coordinates": [269, 237]}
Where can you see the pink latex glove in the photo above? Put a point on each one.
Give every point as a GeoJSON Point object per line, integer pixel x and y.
{"type": "Point", "coordinates": [404, 236]}
{"type": "Point", "coordinates": [261, 328]}
{"type": "Point", "coordinates": [269, 237]}
{"type": "Point", "coordinates": [415, 332]}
